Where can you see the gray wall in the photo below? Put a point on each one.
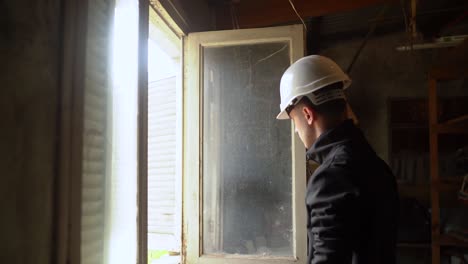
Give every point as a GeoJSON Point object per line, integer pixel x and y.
{"type": "Point", "coordinates": [382, 72]}
{"type": "Point", "coordinates": [29, 50]}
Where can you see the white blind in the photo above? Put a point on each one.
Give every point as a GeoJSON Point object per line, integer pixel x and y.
{"type": "Point", "coordinates": [96, 130]}
{"type": "Point", "coordinates": [162, 156]}
{"type": "Point", "coordinates": [121, 187]}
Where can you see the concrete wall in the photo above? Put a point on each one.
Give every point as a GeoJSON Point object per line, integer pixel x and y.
{"type": "Point", "coordinates": [382, 72]}
{"type": "Point", "coordinates": [29, 49]}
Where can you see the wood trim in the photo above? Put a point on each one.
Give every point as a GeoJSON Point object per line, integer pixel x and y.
{"type": "Point", "coordinates": [64, 112]}
{"type": "Point", "coordinates": [389, 131]}
{"type": "Point", "coordinates": [169, 10]}
{"type": "Point", "coordinates": [299, 175]}
{"type": "Point", "coordinates": [163, 14]}
{"type": "Point", "coordinates": [180, 147]}
{"type": "Point", "coordinates": [142, 185]}
{"type": "Point", "coordinates": [434, 170]}
{"type": "Point", "coordinates": [67, 233]}
{"type": "Point", "coordinates": [191, 138]}
{"type": "Point", "coordinates": [77, 145]}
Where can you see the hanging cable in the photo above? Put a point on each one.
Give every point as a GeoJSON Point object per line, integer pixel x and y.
{"type": "Point", "coordinates": [369, 34]}
{"type": "Point", "coordinates": [403, 9]}
{"type": "Point", "coordinates": [231, 10]}
{"type": "Point", "coordinates": [234, 17]}
{"type": "Point", "coordinates": [407, 26]}
{"type": "Point", "coordinates": [302, 20]}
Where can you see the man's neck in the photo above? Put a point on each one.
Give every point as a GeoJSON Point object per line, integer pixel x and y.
{"type": "Point", "coordinates": [323, 125]}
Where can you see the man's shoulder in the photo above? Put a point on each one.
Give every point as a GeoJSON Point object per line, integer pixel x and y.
{"type": "Point", "coordinates": [342, 156]}
{"type": "Point", "coordinates": [337, 167]}
{"type": "Point", "coordinates": [351, 153]}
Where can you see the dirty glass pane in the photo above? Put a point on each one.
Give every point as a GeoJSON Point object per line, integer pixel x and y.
{"type": "Point", "coordinates": [247, 156]}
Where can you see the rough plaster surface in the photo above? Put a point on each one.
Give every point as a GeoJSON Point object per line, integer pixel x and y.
{"type": "Point", "coordinates": [29, 49]}
{"type": "Point", "coordinates": [382, 72]}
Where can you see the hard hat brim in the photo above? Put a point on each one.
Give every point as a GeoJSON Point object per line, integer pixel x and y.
{"type": "Point", "coordinates": [283, 115]}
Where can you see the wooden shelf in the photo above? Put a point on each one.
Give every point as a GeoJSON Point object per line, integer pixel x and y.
{"type": "Point", "coordinates": [460, 119]}
{"type": "Point", "coordinates": [449, 129]}
{"type": "Point", "coordinates": [413, 186]}
{"type": "Point", "coordinates": [449, 186]}
{"type": "Point", "coordinates": [452, 179]}
{"type": "Point", "coordinates": [463, 202]}
{"type": "Point", "coordinates": [419, 191]}
{"type": "Point", "coordinates": [414, 245]}
{"type": "Point", "coordinates": [408, 126]}
{"type": "Point", "coordinates": [447, 240]}
{"type": "Point", "coordinates": [451, 66]}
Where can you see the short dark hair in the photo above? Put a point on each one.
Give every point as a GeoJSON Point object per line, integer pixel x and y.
{"type": "Point", "coordinates": [330, 109]}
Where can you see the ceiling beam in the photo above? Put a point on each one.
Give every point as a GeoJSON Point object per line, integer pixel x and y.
{"type": "Point", "coordinates": [262, 13]}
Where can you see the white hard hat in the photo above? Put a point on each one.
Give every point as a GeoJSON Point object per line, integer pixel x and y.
{"type": "Point", "coordinates": [308, 75]}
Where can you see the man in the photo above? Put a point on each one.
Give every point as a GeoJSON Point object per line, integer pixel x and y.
{"type": "Point", "coordinates": [351, 199]}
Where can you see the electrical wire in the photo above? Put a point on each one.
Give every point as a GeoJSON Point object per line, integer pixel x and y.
{"type": "Point", "coordinates": [234, 17]}
{"type": "Point", "coordinates": [369, 34]}
{"type": "Point", "coordinates": [231, 10]}
{"type": "Point", "coordinates": [403, 9]}
{"type": "Point", "coordinates": [302, 20]}
{"type": "Point", "coordinates": [407, 26]}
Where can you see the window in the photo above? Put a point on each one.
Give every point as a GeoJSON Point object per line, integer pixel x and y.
{"type": "Point", "coordinates": [244, 171]}
{"type": "Point", "coordinates": [215, 152]}
{"type": "Point", "coordinates": [164, 142]}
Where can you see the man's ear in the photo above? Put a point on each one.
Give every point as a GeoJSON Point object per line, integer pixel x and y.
{"type": "Point", "coordinates": [309, 114]}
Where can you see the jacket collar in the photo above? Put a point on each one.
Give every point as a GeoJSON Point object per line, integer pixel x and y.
{"type": "Point", "coordinates": [331, 138]}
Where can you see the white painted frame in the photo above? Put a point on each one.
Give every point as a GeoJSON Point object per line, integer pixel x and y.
{"type": "Point", "coordinates": [193, 142]}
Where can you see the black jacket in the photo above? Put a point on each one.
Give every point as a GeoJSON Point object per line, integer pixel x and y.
{"type": "Point", "coordinates": [352, 201]}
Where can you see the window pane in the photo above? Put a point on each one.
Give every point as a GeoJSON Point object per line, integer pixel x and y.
{"type": "Point", "coordinates": [164, 143]}
{"type": "Point", "coordinates": [247, 157]}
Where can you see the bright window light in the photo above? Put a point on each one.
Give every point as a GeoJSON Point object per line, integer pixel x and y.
{"type": "Point", "coordinates": [160, 65]}
{"type": "Point", "coordinates": [121, 228]}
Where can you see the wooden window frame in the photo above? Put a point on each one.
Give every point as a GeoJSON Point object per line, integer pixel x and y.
{"type": "Point", "coordinates": [193, 141]}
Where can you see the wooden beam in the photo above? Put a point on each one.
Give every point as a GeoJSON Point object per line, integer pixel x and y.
{"type": "Point", "coordinates": [262, 13]}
